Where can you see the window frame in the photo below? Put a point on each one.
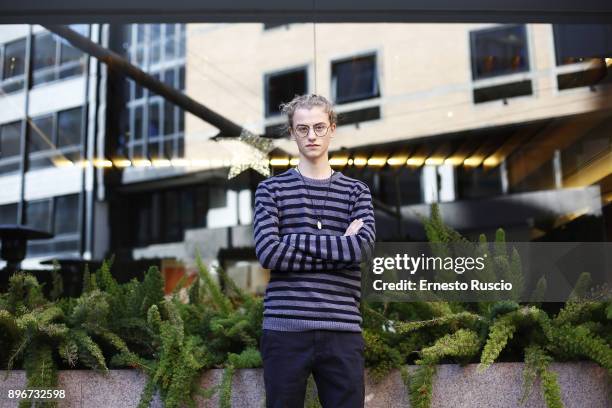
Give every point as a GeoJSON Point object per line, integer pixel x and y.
{"type": "Point", "coordinates": [515, 78]}
{"type": "Point", "coordinates": [174, 64]}
{"type": "Point", "coordinates": [59, 67]}
{"type": "Point", "coordinates": [377, 91]}
{"type": "Point", "coordinates": [266, 85]}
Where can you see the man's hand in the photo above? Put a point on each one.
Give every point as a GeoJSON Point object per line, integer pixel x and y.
{"type": "Point", "coordinates": [354, 227]}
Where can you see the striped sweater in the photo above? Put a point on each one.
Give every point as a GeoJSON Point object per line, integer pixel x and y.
{"type": "Point", "coordinates": [315, 275]}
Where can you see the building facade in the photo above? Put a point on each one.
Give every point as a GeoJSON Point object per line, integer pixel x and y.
{"type": "Point", "coordinates": [504, 125]}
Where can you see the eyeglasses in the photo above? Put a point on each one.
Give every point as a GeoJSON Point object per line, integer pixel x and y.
{"type": "Point", "coordinates": [320, 129]}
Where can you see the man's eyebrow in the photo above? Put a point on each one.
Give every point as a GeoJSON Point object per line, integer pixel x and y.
{"type": "Point", "coordinates": [318, 123]}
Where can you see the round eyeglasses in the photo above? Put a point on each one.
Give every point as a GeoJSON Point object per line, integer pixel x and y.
{"type": "Point", "coordinates": [320, 129]}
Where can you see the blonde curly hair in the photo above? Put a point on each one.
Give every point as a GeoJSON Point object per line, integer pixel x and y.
{"type": "Point", "coordinates": [307, 101]}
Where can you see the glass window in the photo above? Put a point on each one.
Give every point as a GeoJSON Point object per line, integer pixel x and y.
{"type": "Point", "coordinates": [138, 118]}
{"type": "Point", "coordinates": [200, 206]}
{"type": "Point", "coordinates": [14, 59]}
{"type": "Point", "coordinates": [355, 79]}
{"type": "Point", "coordinates": [153, 149]}
{"type": "Point", "coordinates": [181, 83]}
{"type": "Point", "coordinates": [172, 217]}
{"type": "Point", "coordinates": [69, 53]}
{"type": "Point", "coordinates": [181, 147]}
{"type": "Point", "coordinates": [40, 135]}
{"type": "Point", "coordinates": [169, 147]}
{"type": "Point", "coordinates": [155, 32]}
{"type": "Point", "coordinates": [156, 217]}
{"type": "Point", "coordinates": [10, 136]}
{"type": "Point", "coordinates": [169, 48]}
{"type": "Point", "coordinates": [143, 219]}
{"type": "Point", "coordinates": [181, 40]}
{"type": "Point", "coordinates": [581, 42]}
{"type": "Point", "coordinates": [154, 119]}
{"type": "Point", "coordinates": [161, 117]}
{"type": "Point", "coordinates": [138, 151]}
{"type": "Point", "coordinates": [187, 208]}
{"type": "Point", "coordinates": [140, 33]}
{"type": "Point", "coordinates": [168, 76]}
{"type": "Point", "coordinates": [217, 197]}
{"type": "Point", "coordinates": [137, 90]}
{"type": "Point", "coordinates": [67, 214]}
{"type": "Point", "coordinates": [139, 60]}
{"type": "Point", "coordinates": [282, 87]}
{"type": "Point", "coordinates": [44, 51]}
{"type": "Point", "coordinates": [499, 51]}
{"type": "Point", "coordinates": [155, 53]}
{"type": "Point", "coordinates": [69, 127]}
{"type": "Point", "coordinates": [8, 213]}
{"type": "Point", "coordinates": [170, 28]}
{"type": "Point", "coordinates": [169, 119]}
{"type": "Point", "coordinates": [38, 214]}
{"type": "Point", "coordinates": [181, 123]}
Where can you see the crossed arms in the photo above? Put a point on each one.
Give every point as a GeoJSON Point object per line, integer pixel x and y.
{"type": "Point", "coordinates": [309, 252]}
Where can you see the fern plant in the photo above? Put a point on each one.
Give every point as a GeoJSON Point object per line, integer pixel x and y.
{"type": "Point", "coordinates": [486, 330]}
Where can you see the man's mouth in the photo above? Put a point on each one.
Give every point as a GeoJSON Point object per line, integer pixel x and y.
{"type": "Point", "coordinates": [311, 145]}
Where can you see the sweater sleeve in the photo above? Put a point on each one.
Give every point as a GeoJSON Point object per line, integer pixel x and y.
{"type": "Point", "coordinates": [271, 252]}
{"type": "Point", "coordinates": [352, 248]}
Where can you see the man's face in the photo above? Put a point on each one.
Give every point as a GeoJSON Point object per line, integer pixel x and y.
{"type": "Point", "coordinates": [311, 145]}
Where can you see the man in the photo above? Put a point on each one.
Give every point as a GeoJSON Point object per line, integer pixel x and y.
{"type": "Point", "coordinates": [313, 226]}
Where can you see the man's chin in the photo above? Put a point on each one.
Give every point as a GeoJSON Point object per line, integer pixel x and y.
{"type": "Point", "coordinates": [313, 155]}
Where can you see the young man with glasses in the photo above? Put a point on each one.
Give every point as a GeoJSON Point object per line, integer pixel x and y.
{"type": "Point", "coordinates": [312, 227]}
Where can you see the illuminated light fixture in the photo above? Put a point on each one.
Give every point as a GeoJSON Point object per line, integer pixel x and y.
{"type": "Point", "coordinates": [180, 162]}
{"type": "Point", "coordinates": [376, 161]}
{"type": "Point", "coordinates": [453, 161]}
{"type": "Point", "coordinates": [161, 163]}
{"type": "Point", "coordinates": [279, 162]}
{"type": "Point", "coordinates": [349, 162]}
{"type": "Point", "coordinates": [141, 163]}
{"type": "Point", "coordinates": [473, 161]}
{"type": "Point", "coordinates": [434, 161]}
{"type": "Point", "coordinates": [103, 163]}
{"type": "Point", "coordinates": [608, 62]}
{"type": "Point", "coordinates": [338, 161]}
{"type": "Point", "coordinates": [491, 161]}
{"type": "Point", "coordinates": [396, 161]}
{"type": "Point", "coordinates": [122, 163]}
{"type": "Point", "coordinates": [82, 163]}
{"type": "Point", "coordinates": [200, 162]}
{"type": "Point", "coordinates": [294, 161]}
{"type": "Point", "coordinates": [360, 161]}
{"type": "Point", "coordinates": [415, 161]}
{"type": "Point", "coordinates": [63, 163]}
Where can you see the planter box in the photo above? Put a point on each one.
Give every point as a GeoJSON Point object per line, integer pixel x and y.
{"type": "Point", "coordinates": [583, 384]}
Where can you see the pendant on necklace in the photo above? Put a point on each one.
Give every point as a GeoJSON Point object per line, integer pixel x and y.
{"type": "Point", "coordinates": [319, 224]}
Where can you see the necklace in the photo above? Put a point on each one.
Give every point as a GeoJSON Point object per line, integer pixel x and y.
{"type": "Point", "coordinates": [319, 224]}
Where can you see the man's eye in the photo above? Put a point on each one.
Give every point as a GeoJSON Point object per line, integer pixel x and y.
{"type": "Point", "coordinates": [319, 128]}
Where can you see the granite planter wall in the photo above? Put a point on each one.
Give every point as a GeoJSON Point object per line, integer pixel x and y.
{"type": "Point", "coordinates": [583, 384]}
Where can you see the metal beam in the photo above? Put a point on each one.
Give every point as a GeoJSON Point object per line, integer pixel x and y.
{"type": "Point", "coordinates": [159, 11]}
{"type": "Point", "coordinates": [120, 65]}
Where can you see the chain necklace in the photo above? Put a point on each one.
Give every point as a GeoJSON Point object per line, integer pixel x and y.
{"type": "Point", "coordinates": [319, 224]}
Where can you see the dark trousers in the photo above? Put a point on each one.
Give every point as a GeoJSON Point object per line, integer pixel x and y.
{"type": "Point", "coordinates": [335, 359]}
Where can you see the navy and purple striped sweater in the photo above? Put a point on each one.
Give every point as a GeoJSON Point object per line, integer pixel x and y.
{"type": "Point", "coordinates": [315, 275]}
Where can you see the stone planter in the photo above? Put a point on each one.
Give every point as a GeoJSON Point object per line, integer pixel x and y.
{"type": "Point", "coordinates": [583, 384]}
